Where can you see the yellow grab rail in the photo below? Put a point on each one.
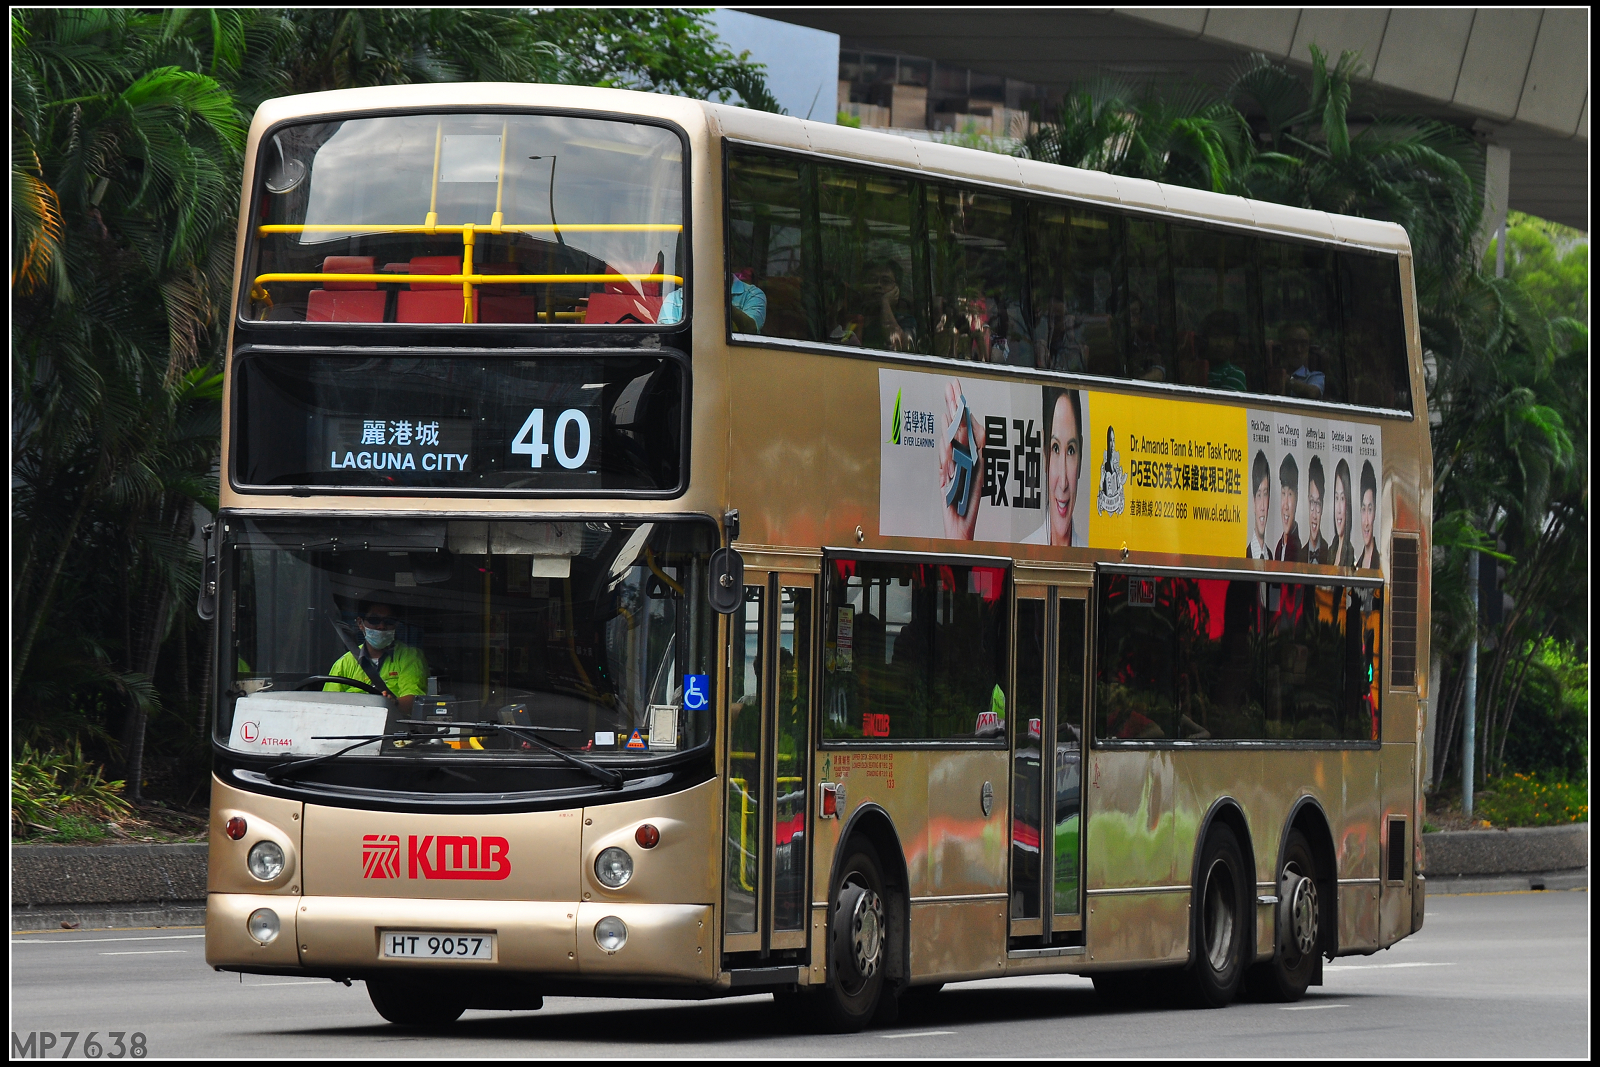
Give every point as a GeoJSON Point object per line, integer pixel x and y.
{"type": "Point", "coordinates": [536, 227]}
{"type": "Point", "coordinates": [747, 808]}
{"type": "Point", "coordinates": [472, 279]}
{"type": "Point", "coordinates": [468, 231]}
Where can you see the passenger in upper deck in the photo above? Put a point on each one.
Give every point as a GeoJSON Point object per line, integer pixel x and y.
{"type": "Point", "coordinates": [1296, 350]}
{"type": "Point", "coordinates": [1220, 337]}
{"type": "Point", "coordinates": [888, 321]}
{"type": "Point", "coordinates": [404, 669]}
{"type": "Point", "coordinates": [747, 305]}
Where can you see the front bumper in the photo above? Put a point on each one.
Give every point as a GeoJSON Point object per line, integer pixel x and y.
{"type": "Point", "coordinates": [339, 936]}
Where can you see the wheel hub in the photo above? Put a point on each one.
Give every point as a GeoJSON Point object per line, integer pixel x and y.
{"type": "Point", "coordinates": [1301, 894]}
{"type": "Point", "coordinates": [866, 933]}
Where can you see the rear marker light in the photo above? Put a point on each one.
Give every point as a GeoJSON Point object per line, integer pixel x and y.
{"type": "Point", "coordinates": [236, 827]}
{"type": "Point", "coordinates": [647, 836]}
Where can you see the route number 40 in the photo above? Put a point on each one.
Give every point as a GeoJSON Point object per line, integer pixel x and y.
{"type": "Point", "coordinates": [530, 439]}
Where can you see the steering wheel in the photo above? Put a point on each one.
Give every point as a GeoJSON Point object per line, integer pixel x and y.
{"type": "Point", "coordinates": [322, 679]}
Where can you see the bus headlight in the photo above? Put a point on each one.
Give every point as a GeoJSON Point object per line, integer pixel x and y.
{"type": "Point", "coordinates": [613, 867]}
{"type": "Point", "coordinates": [263, 925]}
{"type": "Point", "coordinates": [265, 860]}
{"type": "Point", "coordinates": [610, 933]}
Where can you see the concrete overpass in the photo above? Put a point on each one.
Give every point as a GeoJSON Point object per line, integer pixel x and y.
{"type": "Point", "coordinates": [1517, 77]}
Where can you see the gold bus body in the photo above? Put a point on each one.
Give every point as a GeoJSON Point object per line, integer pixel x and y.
{"type": "Point", "coordinates": [786, 433]}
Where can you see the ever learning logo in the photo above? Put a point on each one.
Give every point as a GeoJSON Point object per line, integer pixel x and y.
{"type": "Point", "coordinates": [894, 422]}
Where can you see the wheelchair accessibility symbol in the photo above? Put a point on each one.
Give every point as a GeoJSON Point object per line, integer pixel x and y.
{"type": "Point", "coordinates": [696, 692]}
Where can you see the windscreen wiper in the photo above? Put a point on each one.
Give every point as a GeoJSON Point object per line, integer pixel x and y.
{"type": "Point", "coordinates": [279, 772]}
{"type": "Point", "coordinates": [611, 778]}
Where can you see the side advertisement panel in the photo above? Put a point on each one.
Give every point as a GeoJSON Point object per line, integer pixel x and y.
{"type": "Point", "coordinates": [966, 459]}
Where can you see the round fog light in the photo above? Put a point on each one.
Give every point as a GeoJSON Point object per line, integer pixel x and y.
{"type": "Point", "coordinates": [613, 867]}
{"type": "Point", "coordinates": [236, 827]}
{"type": "Point", "coordinates": [610, 933]}
{"type": "Point", "coordinates": [263, 925]}
{"type": "Point", "coordinates": [647, 836]}
{"type": "Point", "coordinates": [265, 860]}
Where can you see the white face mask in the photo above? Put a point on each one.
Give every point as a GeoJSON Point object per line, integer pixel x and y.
{"type": "Point", "coordinates": [378, 638]}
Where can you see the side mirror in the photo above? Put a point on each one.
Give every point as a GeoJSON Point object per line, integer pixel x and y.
{"type": "Point", "coordinates": [727, 580]}
{"type": "Point", "coordinates": [206, 606]}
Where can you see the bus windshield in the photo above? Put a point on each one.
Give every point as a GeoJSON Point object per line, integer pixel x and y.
{"type": "Point", "coordinates": [468, 218]}
{"type": "Point", "coordinates": [593, 637]}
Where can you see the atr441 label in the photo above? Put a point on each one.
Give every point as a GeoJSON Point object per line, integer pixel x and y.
{"type": "Point", "coordinates": [481, 859]}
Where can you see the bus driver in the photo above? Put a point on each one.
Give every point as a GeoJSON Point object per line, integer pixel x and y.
{"type": "Point", "coordinates": [404, 669]}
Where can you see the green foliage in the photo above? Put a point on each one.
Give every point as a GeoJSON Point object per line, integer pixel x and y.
{"type": "Point", "coordinates": [1529, 800]}
{"type": "Point", "coordinates": [655, 50]}
{"type": "Point", "coordinates": [1549, 261]}
{"type": "Point", "coordinates": [969, 136]}
{"type": "Point", "coordinates": [1552, 714]}
{"type": "Point", "coordinates": [62, 794]}
{"type": "Point", "coordinates": [847, 119]}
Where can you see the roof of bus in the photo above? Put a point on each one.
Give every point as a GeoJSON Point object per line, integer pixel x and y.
{"type": "Point", "coordinates": [867, 146]}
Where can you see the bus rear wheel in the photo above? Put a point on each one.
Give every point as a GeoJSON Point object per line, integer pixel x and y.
{"type": "Point", "coordinates": [1220, 924]}
{"type": "Point", "coordinates": [1294, 962]}
{"type": "Point", "coordinates": [414, 1003]}
{"type": "Point", "coordinates": [858, 945]}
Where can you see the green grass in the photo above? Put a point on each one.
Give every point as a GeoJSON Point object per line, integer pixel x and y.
{"type": "Point", "coordinates": [1529, 800]}
{"type": "Point", "coordinates": [62, 796]}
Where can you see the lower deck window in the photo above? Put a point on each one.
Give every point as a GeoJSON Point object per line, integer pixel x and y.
{"type": "Point", "coordinates": [915, 652]}
{"type": "Point", "coordinates": [1198, 659]}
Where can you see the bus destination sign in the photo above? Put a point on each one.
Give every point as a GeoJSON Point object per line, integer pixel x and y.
{"type": "Point", "coordinates": [546, 424]}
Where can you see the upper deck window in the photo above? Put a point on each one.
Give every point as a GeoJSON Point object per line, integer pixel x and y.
{"type": "Point", "coordinates": [468, 218]}
{"type": "Point", "coordinates": [861, 257]}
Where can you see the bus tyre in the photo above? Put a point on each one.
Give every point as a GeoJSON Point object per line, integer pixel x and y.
{"type": "Point", "coordinates": [1294, 962]}
{"type": "Point", "coordinates": [414, 1004]}
{"type": "Point", "coordinates": [858, 948]}
{"type": "Point", "coordinates": [1221, 914]}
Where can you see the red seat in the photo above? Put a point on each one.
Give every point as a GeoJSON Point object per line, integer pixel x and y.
{"type": "Point", "coordinates": [622, 308]}
{"type": "Point", "coordinates": [503, 301]}
{"type": "Point", "coordinates": [637, 288]}
{"type": "Point", "coordinates": [346, 301]}
{"type": "Point", "coordinates": [507, 309]}
{"type": "Point", "coordinates": [433, 301]}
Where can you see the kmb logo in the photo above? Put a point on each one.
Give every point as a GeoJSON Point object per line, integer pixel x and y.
{"type": "Point", "coordinates": [484, 859]}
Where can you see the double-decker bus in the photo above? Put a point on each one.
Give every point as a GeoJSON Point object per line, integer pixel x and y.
{"type": "Point", "coordinates": [667, 549]}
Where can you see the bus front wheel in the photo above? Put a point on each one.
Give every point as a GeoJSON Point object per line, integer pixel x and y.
{"type": "Point", "coordinates": [1219, 930]}
{"type": "Point", "coordinates": [858, 944]}
{"type": "Point", "coordinates": [413, 1004]}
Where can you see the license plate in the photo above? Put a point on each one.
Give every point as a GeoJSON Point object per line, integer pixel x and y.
{"type": "Point", "coordinates": [434, 945]}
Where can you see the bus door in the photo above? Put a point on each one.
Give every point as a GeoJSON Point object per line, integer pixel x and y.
{"type": "Point", "coordinates": [1046, 797]}
{"type": "Point", "coordinates": [769, 715]}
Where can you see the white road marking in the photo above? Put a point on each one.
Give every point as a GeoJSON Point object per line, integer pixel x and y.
{"type": "Point", "coordinates": [1379, 966]}
{"type": "Point", "coordinates": [919, 1033]}
{"type": "Point", "coordinates": [1312, 1007]}
{"type": "Point", "coordinates": [93, 940]}
{"type": "Point", "coordinates": [307, 981]}
{"type": "Point", "coordinates": [150, 952]}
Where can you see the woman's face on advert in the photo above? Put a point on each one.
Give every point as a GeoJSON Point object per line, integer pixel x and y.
{"type": "Point", "coordinates": [1341, 507]}
{"type": "Point", "coordinates": [1066, 448]}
